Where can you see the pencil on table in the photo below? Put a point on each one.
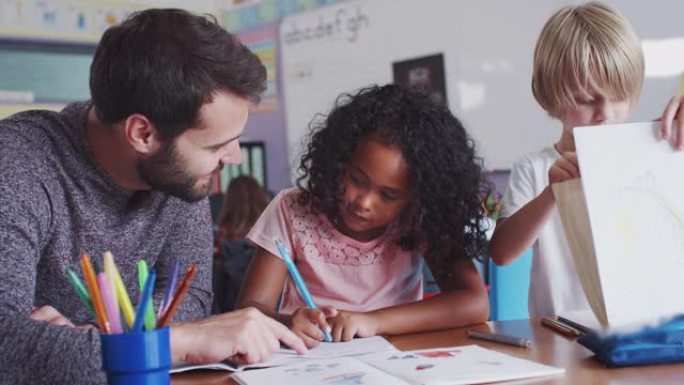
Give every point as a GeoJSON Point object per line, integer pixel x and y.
{"type": "Point", "coordinates": [559, 327]}
{"type": "Point", "coordinates": [500, 338]}
{"type": "Point", "coordinates": [581, 328]}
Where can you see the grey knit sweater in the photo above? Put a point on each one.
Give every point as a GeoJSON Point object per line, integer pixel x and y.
{"type": "Point", "coordinates": [56, 202]}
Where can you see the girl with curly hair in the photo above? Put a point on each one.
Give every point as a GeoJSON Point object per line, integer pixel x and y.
{"type": "Point", "coordinates": [389, 181]}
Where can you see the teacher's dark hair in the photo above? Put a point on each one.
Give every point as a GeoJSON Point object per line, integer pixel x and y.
{"type": "Point", "coordinates": [165, 64]}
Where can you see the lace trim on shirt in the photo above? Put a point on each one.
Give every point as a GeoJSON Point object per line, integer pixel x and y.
{"type": "Point", "coordinates": [313, 235]}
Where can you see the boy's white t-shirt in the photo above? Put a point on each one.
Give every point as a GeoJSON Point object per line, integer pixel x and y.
{"type": "Point", "coordinates": [554, 286]}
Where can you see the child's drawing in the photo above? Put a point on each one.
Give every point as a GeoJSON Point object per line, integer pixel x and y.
{"type": "Point", "coordinates": [345, 379]}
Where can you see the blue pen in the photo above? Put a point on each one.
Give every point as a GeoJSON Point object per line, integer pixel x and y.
{"type": "Point", "coordinates": [299, 282]}
{"type": "Point", "coordinates": [145, 298]}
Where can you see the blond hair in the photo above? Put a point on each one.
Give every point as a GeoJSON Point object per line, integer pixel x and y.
{"type": "Point", "coordinates": [586, 48]}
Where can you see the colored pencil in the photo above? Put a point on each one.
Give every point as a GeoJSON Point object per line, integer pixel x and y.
{"type": "Point", "coordinates": [150, 321]}
{"type": "Point", "coordinates": [98, 305]}
{"type": "Point", "coordinates": [578, 326]}
{"type": "Point", "coordinates": [170, 287]}
{"type": "Point", "coordinates": [81, 291]}
{"type": "Point", "coordinates": [178, 297]}
{"type": "Point", "coordinates": [298, 280]}
{"type": "Point", "coordinates": [559, 327]}
{"type": "Point", "coordinates": [109, 302]}
{"type": "Point", "coordinates": [500, 338]}
{"type": "Point", "coordinates": [121, 294]}
{"type": "Point", "coordinates": [144, 302]}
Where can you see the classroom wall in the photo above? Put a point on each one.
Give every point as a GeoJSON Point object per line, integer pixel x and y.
{"type": "Point", "coordinates": [269, 127]}
{"type": "Point", "coordinates": [49, 72]}
{"type": "Point", "coordinates": [46, 49]}
{"type": "Point", "coordinates": [57, 81]}
{"type": "Point", "coordinates": [487, 50]}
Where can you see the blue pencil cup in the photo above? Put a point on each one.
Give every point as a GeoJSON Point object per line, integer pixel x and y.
{"type": "Point", "coordinates": [141, 358]}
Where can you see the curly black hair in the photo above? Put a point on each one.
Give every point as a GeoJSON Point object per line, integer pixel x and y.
{"type": "Point", "coordinates": [447, 181]}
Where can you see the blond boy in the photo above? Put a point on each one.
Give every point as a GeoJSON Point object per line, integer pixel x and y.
{"type": "Point", "coordinates": [588, 70]}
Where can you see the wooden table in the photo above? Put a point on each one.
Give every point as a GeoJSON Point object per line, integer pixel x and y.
{"type": "Point", "coordinates": [548, 347]}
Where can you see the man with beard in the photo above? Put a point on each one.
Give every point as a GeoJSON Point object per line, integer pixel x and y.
{"type": "Point", "coordinates": [128, 171]}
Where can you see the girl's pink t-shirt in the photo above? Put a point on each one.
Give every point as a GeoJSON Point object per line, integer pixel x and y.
{"type": "Point", "coordinates": [339, 271]}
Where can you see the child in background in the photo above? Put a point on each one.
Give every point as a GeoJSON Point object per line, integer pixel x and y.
{"type": "Point", "coordinates": [588, 70]}
{"type": "Point", "coordinates": [243, 203]}
{"type": "Point", "coordinates": [388, 177]}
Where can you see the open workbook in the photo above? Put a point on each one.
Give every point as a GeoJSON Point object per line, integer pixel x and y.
{"type": "Point", "coordinates": [445, 366]}
{"type": "Point", "coordinates": [624, 222]}
{"type": "Point", "coordinates": [285, 356]}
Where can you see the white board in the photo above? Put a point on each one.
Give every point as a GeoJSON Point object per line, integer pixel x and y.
{"type": "Point", "coordinates": [487, 47]}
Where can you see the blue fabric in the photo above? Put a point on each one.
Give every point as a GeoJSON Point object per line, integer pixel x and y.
{"type": "Point", "coordinates": [509, 288]}
{"type": "Point", "coordinates": [652, 345]}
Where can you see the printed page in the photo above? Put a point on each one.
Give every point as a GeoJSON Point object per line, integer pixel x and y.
{"type": "Point", "coordinates": [355, 347]}
{"type": "Point", "coordinates": [340, 371]}
{"type": "Point", "coordinates": [457, 365]}
{"type": "Point", "coordinates": [227, 366]}
{"type": "Point", "coordinates": [633, 184]}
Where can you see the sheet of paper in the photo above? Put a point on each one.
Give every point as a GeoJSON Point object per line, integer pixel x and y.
{"type": "Point", "coordinates": [457, 365]}
{"type": "Point", "coordinates": [572, 207]}
{"type": "Point", "coordinates": [633, 184]}
{"type": "Point", "coordinates": [354, 347]}
{"type": "Point", "coordinates": [227, 366]}
{"type": "Point", "coordinates": [284, 356]}
{"type": "Point", "coordinates": [338, 371]}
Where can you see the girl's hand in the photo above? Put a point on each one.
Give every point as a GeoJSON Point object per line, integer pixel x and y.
{"type": "Point", "coordinates": [565, 168]}
{"type": "Point", "coordinates": [309, 324]}
{"type": "Point", "coordinates": [348, 324]}
{"type": "Point", "coordinates": [50, 315]}
{"type": "Point", "coordinates": [672, 121]}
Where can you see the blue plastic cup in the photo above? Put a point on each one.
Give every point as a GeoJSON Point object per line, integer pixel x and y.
{"type": "Point", "coordinates": [140, 358]}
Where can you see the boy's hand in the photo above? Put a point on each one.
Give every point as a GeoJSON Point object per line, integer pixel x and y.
{"type": "Point", "coordinates": [565, 168]}
{"type": "Point", "coordinates": [672, 121]}
{"type": "Point", "coordinates": [309, 324]}
{"type": "Point", "coordinates": [348, 324]}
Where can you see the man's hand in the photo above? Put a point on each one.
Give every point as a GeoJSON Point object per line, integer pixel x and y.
{"type": "Point", "coordinates": [50, 315]}
{"type": "Point", "coordinates": [246, 336]}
